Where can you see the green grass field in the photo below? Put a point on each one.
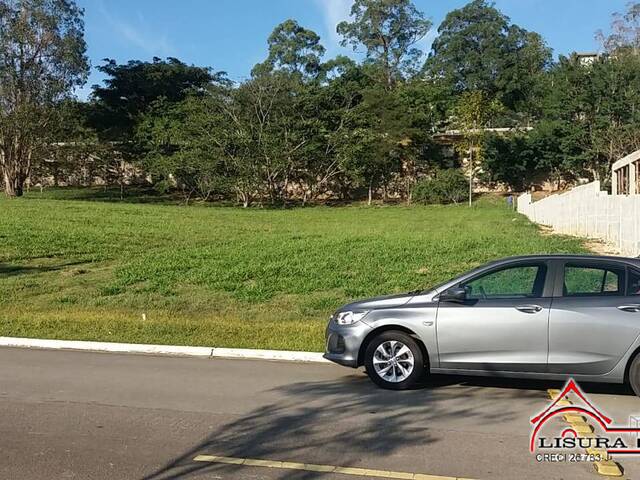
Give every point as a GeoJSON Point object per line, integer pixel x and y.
{"type": "Point", "coordinates": [222, 276]}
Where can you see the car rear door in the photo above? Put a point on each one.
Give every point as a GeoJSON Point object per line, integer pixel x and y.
{"type": "Point", "coordinates": [595, 316]}
{"type": "Point", "coordinates": [503, 323]}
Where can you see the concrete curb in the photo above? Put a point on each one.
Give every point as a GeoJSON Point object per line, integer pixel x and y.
{"type": "Point", "coordinates": [171, 350]}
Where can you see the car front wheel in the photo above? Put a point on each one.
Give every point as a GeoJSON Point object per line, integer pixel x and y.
{"type": "Point", "coordinates": [393, 360]}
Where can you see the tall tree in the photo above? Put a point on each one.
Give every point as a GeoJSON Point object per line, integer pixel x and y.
{"type": "Point", "coordinates": [597, 108]}
{"type": "Point", "coordinates": [389, 31]}
{"type": "Point", "coordinates": [294, 49]}
{"type": "Point", "coordinates": [42, 59]}
{"type": "Point", "coordinates": [181, 144]}
{"type": "Point", "coordinates": [130, 89]}
{"type": "Point", "coordinates": [474, 112]}
{"type": "Point", "coordinates": [371, 148]}
{"type": "Point", "coordinates": [72, 149]}
{"type": "Point", "coordinates": [625, 31]}
{"type": "Point", "coordinates": [422, 107]}
{"type": "Point", "coordinates": [261, 139]}
{"type": "Point", "coordinates": [477, 48]}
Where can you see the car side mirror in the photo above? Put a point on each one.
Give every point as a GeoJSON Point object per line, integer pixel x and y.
{"type": "Point", "coordinates": [454, 294]}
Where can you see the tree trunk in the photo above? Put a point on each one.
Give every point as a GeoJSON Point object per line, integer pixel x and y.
{"type": "Point", "coordinates": [470, 176]}
{"type": "Point", "coordinates": [13, 185]}
{"type": "Point", "coordinates": [409, 170]}
{"type": "Point", "coordinates": [244, 197]}
{"type": "Point", "coordinates": [370, 199]}
{"type": "Point", "coordinates": [16, 168]}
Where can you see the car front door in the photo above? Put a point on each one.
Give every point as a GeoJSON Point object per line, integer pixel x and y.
{"type": "Point", "coordinates": [501, 325]}
{"type": "Point", "coordinates": [595, 316]}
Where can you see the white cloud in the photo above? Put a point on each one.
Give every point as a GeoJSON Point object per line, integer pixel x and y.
{"type": "Point", "coordinates": [334, 12]}
{"type": "Point", "coordinates": [139, 34]}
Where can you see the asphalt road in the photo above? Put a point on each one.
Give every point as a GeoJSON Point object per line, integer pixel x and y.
{"type": "Point", "coordinates": [78, 415]}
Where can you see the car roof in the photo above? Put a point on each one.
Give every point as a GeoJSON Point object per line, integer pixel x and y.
{"type": "Point", "coordinates": [564, 256]}
{"type": "Point", "coordinates": [548, 256]}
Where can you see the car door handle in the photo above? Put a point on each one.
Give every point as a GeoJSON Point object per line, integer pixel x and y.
{"type": "Point", "coordinates": [629, 308]}
{"type": "Point", "coordinates": [529, 308]}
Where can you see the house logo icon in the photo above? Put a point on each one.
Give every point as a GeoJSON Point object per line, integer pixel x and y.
{"type": "Point", "coordinates": [585, 427]}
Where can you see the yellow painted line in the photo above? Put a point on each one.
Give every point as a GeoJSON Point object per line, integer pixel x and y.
{"type": "Point", "coordinates": [350, 471]}
{"type": "Point", "coordinates": [310, 467]}
{"type": "Point", "coordinates": [608, 468]}
{"type": "Point", "coordinates": [605, 466]}
{"type": "Point", "coordinates": [573, 418]}
{"type": "Point", "coordinates": [419, 476]}
{"type": "Point", "coordinates": [216, 459]}
{"type": "Point", "coordinates": [318, 468]}
{"type": "Point", "coordinates": [598, 452]}
{"type": "Point", "coordinates": [293, 466]}
{"type": "Point", "coordinates": [553, 393]}
{"type": "Point", "coordinates": [262, 463]}
{"type": "Point", "coordinates": [389, 474]}
{"type": "Point", "coordinates": [582, 428]}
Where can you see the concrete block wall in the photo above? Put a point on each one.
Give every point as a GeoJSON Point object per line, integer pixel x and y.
{"type": "Point", "coordinates": [586, 211]}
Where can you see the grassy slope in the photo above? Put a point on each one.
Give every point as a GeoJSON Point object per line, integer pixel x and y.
{"type": "Point", "coordinates": [229, 277]}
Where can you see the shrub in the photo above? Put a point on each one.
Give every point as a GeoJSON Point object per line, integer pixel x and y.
{"type": "Point", "coordinates": [446, 186]}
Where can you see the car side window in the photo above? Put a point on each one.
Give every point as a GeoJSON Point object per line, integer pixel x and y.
{"type": "Point", "coordinates": [521, 281]}
{"type": "Point", "coordinates": [633, 287]}
{"type": "Point", "coordinates": [584, 280]}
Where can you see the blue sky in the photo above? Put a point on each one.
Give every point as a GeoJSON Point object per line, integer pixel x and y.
{"type": "Point", "coordinates": [230, 35]}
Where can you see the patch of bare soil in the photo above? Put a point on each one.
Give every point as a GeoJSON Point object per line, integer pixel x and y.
{"type": "Point", "coordinates": [595, 245]}
{"type": "Point", "coordinates": [600, 247]}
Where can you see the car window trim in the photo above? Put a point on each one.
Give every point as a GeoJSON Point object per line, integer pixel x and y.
{"type": "Point", "coordinates": [627, 290]}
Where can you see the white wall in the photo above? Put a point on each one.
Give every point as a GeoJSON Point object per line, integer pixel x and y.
{"type": "Point", "coordinates": [587, 211]}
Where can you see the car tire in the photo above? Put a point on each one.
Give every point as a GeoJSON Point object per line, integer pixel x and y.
{"type": "Point", "coordinates": [634, 375]}
{"type": "Point", "coordinates": [393, 360]}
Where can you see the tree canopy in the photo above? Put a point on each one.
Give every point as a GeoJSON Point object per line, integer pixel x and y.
{"type": "Point", "coordinates": [294, 49]}
{"type": "Point", "coordinates": [478, 49]}
{"type": "Point", "coordinates": [130, 89]}
{"type": "Point", "coordinates": [42, 59]}
{"type": "Point", "coordinates": [389, 31]}
{"type": "Point", "coordinates": [304, 127]}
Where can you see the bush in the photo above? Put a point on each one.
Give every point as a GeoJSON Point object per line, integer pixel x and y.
{"type": "Point", "coordinates": [446, 186]}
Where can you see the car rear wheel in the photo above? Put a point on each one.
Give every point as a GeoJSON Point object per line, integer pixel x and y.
{"type": "Point", "coordinates": [393, 360]}
{"type": "Point", "coordinates": [634, 375]}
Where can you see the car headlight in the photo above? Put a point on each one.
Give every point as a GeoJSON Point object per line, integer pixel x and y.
{"type": "Point", "coordinates": [349, 317]}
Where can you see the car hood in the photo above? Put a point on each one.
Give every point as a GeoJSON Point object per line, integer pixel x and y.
{"type": "Point", "coordinates": [385, 301]}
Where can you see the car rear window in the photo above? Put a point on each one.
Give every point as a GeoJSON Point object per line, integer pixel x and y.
{"type": "Point", "coordinates": [581, 280]}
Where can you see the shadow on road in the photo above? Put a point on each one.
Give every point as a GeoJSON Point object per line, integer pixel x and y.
{"type": "Point", "coordinates": [342, 421]}
{"type": "Point", "coordinates": [524, 384]}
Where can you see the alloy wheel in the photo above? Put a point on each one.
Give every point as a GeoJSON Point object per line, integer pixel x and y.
{"type": "Point", "coordinates": [393, 361]}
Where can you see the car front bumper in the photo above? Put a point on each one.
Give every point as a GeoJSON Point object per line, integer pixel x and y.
{"type": "Point", "coordinates": [342, 343]}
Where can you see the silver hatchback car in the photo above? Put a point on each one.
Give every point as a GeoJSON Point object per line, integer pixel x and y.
{"type": "Point", "coordinates": [542, 316]}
